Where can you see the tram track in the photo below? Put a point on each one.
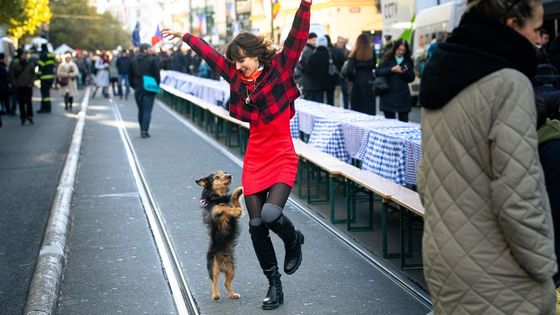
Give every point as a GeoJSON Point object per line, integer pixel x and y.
{"type": "Point", "coordinates": [394, 275]}
{"type": "Point", "coordinates": [182, 296]}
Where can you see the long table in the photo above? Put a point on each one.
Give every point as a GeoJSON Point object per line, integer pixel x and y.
{"type": "Point", "coordinates": [386, 147]}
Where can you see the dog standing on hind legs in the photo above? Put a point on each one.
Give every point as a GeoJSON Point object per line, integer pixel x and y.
{"type": "Point", "coordinates": [221, 212]}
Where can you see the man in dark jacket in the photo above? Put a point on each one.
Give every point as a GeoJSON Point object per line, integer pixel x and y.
{"type": "Point", "coordinates": [46, 65]}
{"type": "Point", "coordinates": [22, 74]}
{"type": "Point", "coordinates": [144, 64]}
{"type": "Point", "coordinates": [123, 65]}
{"type": "Point", "coordinates": [302, 78]}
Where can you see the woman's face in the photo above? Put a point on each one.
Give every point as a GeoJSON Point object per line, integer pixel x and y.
{"type": "Point", "coordinates": [532, 25]}
{"type": "Point", "coordinates": [400, 51]}
{"type": "Point", "coordinates": [247, 65]}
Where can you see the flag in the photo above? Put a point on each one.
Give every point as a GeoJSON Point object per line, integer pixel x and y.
{"type": "Point", "coordinates": [275, 8]}
{"type": "Point", "coordinates": [136, 35]}
{"type": "Point", "coordinates": [157, 37]}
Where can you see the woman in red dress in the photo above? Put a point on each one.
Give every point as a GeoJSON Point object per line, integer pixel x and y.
{"type": "Point", "coordinates": [263, 93]}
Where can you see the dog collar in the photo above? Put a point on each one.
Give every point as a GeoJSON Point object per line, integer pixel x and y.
{"type": "Point", "coordinates": [204, 202]}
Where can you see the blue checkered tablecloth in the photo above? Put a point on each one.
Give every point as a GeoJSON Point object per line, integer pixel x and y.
{"type": "Point", "coordinates": [413, 149]}
{"type": "Point", "coordinates": [212, 91]}
{"type": "Point", "coordinates": [384, 153]}
{"type": "Point", "coordinates": [308, 111]}
{"type": "Point", "coordinates": [294, 126]}
{"type": "Point", "coordinates": [355, 132]}
{"type": "Point", "coordinates": [327, 134]}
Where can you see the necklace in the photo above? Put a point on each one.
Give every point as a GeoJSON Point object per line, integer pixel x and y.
{"type": "Point", "coordinates": [253, 80]}
{"type": "Point", "coordinates": [248, 100]}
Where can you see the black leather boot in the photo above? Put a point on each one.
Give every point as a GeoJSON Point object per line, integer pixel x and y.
{"type": "Point", "coordinates": [292, 242]}
{"type": "Point", "coordinates": [275, 295]}
{"type": "Point", "coordinates": [267, 260]}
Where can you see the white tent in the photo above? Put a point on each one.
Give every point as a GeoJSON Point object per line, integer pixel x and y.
{"type": "Point", "coordinates": [36, 43]}
{"type": "Point", "coordinates": [62, 49]}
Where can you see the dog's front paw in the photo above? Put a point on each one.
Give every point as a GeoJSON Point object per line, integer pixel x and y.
{"type": "Point", "coordinates": [234, 296]}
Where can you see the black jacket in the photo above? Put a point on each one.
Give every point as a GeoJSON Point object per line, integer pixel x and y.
{"type": "Point", "coordinates": [141, 65]}
{"type": "Point", "coordinates": [123, 64]}
{"type": "Point", "coordinates": [317, 70]}
{"type": "Point", "coordinates": [397, 98]}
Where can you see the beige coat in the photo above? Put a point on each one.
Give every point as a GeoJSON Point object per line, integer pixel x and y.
{"type": "Point", "coordinates": [488, 246]}
{"type": "Point", "coordinates": [69, 70]}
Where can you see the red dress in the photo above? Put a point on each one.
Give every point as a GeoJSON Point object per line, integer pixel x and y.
{"type": "Point", "coordinates": [270, 156]}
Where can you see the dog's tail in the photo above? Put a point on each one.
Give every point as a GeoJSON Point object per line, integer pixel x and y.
{"type": "Point", "coordinates": [235, 196]}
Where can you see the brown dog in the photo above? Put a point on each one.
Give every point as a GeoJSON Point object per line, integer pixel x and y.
{"type": "Point", "coordinates": [220, 213]}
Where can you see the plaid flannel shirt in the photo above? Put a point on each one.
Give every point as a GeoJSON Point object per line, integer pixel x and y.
{"type": "Point", "coordinates": [277, 89]}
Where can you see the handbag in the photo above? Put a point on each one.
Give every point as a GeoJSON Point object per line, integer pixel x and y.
{"type": "Point", "coordinates": [349, 69]}
{"type": "Point", "coordinates": [63, 81]}
{"type": "Point", "coordinates": [150, 84]}
{"type": "Point", "coordinates": [380, 85]}
{"type": "Point", "coordinates": [333, 70]}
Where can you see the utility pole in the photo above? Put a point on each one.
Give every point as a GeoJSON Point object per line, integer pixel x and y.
{"type": "Point", "coordinates": [272, 20]}
{"type": "Point", "coordinates": [190, 17]}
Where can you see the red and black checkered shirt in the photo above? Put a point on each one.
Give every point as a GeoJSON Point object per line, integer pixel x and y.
{"type": "Point", "coordinates": [277, 90]}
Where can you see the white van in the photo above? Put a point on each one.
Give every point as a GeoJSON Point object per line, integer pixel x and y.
{"type": "Point", "coordinates": [431, 23]}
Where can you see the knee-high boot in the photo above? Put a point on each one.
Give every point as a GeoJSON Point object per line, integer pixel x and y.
{"type": "Point", "coordinates": [292, 242]}
{"type": "Point", "coordinates": [267, 259]}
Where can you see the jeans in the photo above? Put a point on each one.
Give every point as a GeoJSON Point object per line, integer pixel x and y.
{"type": "Point", "coordinates": [123, 77]}
{"type": "Point", "coordinates": [145, 102]}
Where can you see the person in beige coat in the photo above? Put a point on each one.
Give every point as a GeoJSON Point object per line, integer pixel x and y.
{"type": "Point", "coordinates": [488, 244]}
{"type": "Point", "coordinates": [67, 75]}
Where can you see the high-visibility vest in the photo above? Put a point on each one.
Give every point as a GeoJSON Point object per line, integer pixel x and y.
{"type": "Point", "coordinates": [46, 65]}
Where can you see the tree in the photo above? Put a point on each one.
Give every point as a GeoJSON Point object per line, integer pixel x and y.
{"type": "Point", "coordinates": [77, 24]}
{"type": "Point", "coordinates": [24, 16]}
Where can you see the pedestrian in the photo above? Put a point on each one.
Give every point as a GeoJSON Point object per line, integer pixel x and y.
{"type": "Point", "coordinates": [321, 82]}
{"type": "Point", "coordinates": [145, 63]}
{"type": "Point", "coordinates": [263, 93]}
{"type": "Point", "coordinates": [123, 66]}
{"type": "Point", "coordinates": [22, 74]}
{"type": "Point", "coordinates": [362, 60]}
{"type": "Point", "coordinates": [4, 86]}
{"type": "Point", "coordinates": [488, 243]}
{"type": "Point", "coordinates": [68, 73]}
{"type": "Point", "coordinates": [114, 71]}
{"type": "Point", "coordinates": [300, 73]}
{"type": "Point", "coordinates": [45, 72]}
{"type": "Point", "coordinates": [398, 69]}
{"type": "Point", "coordinates": [341, 43]}
{"type": "Point", "coordinates": [102, 75]}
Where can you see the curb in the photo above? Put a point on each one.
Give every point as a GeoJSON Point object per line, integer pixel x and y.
{"type": "Point", "coordinates": [43, 291]}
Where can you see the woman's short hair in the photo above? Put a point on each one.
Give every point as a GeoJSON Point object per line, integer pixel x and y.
{"type": "Point", "coordinates": [502, 10]}
{"type": "Point", "coordinates": [250, 45]}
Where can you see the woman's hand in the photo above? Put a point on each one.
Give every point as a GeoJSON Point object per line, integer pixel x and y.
{"type": "Point", "coordinates": [398, 69]}
{"type": "Point", "coordinates": [170, 34]}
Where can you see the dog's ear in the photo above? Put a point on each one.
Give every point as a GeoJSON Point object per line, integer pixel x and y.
{"type": "Point", "coordinates": [201, 181]}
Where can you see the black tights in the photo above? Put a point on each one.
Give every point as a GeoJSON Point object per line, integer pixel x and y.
{"type": "Point", "coordinates": [277, 195]}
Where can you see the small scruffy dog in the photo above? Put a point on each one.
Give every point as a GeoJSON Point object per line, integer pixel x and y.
{"type": "Point", "coordinates": [220, 212]}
